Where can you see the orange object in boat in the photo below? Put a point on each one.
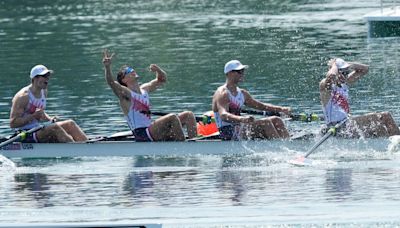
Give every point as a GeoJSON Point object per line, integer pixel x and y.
{"type": "Point", "coordinates": [208, 125]}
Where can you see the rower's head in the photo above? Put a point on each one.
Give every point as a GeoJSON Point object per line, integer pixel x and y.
{"type": "Point", "coordinates": [343, 69]}
{"type": "Point", "coordinates": [40, 76]}
{"type": "Point", "coordinates": [125, 74]}
{"type": "Point", "coordinates": [234, 70]}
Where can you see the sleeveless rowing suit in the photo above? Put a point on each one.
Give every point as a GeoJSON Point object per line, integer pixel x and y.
{"type": "Point", "coordinates": [337, 108]}
{"type": "Point", "coordinates": [33, 104]}
{"type": "Point", "coordinates": [139, 116]}
{"type": "Point", "coordinates": [231, 131]}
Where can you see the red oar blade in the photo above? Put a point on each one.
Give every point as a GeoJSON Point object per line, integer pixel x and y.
{"type": "Point", "coordinates": [301, 161]}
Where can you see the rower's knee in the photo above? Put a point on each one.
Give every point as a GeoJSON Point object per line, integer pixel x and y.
{"type": "Point", "coordinates": [276, 121]}
{"type": "Point", "coordinates": [69, 124]}
{"type": "Point", "coordinates": [385, 116]}
{"type": "Point", "coordinates": [186, 114]}
{"type": "Point", "coordinates": [187, 117]}
{"type": "Point", "coordinates": [55, 128]}
{"type": "Point", "coordinates": [172, 120]}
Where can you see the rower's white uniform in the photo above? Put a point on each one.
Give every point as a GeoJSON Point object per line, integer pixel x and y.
{"type": "Point", "coordinates": [228, 130]}
{"type": "Point", "coordinates": [34, 103]}
{"type": "Point", "coordinates": [337, 108]}
{"type": "Point", "coordinates": [139, 116]}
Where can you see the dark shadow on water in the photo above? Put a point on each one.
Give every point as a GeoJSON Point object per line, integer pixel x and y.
{"type": "Point", "coordinates": [338, 184]}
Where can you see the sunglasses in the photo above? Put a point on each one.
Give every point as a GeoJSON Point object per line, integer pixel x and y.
{"type": "Point", "coordinates": [345, 71]}
{"type": "Point", "coordinates": [45, 75]}
{"type": "Point", "coordinates": [128, 70]}
{"type": "Point", "coordinates": [239, 71]}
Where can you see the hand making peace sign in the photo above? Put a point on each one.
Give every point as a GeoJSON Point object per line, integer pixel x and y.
{"type": "Point", "coordinates": [107, 58]}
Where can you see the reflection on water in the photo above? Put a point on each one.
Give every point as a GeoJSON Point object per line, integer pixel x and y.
{"type": "Point", "coordinates": [34, 187]}
{"type": "Point", "coordinates": [338, 183]}
{"type": "Point", "coordinates": [204, 185]}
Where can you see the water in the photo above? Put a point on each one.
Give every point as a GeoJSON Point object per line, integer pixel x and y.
{"type": "Point", "coordinates": [286, 44]}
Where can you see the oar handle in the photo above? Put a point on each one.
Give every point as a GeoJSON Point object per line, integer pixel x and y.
{"type": "Point", "coordinates": [21, 135]}
{"type": "Point", "coordinates": [331, 131]}
{"type": "Point", "coordinates": [297, 117]}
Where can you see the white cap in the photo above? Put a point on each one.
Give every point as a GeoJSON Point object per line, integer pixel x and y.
{"type": "Point", "coordinates": [39, 70]}
{"type": "Point", "coordinates": [234, 65]}
{"type": "Point", "coordinates": [341, 64]}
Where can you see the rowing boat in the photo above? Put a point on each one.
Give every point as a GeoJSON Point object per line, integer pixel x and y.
{"type": "Point", "coordinates": [211, 147]}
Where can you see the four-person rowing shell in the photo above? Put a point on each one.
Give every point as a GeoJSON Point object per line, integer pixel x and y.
{"type": "Point", "coordinates": [28, 108]}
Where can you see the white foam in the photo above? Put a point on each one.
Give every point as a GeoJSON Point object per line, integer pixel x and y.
{"type": "Point", "coordinates": [394, 145]}
{"type": "Point", "coordinates": [7, 164]}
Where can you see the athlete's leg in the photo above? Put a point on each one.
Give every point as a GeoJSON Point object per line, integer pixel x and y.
{"type": "Point", "coordinates": [279, 126]}
{"type": "Point", "coordinates": [53, 133]}
{"type": "Point", "coordinates": [371, 125]}
{"type": "Point", "coordinates": [189, 121]}
{"type": "Point", "coordinates": [391, 125]}
{"type": "Point", "coordinates": [73, 129]}
{"type": "Point", "coordinates": [167, 128]}
{"type": "Point", "coordinates": [265, 129]}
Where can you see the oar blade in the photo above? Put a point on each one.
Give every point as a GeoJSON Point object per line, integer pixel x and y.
{"type": "Point", "coordinates": [306, 162]}
{"type": "Point", "coordinates": [301, 161]}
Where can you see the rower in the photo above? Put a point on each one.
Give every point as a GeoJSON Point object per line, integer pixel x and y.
{"type": "Point", "coordinates": [334, 94]}
{"type": "Point", "coordinates": [227, 102]}
{"type": "Point", "coordinates": [135, 104]}
{"type": "Point", "coordinates": [28, 110]}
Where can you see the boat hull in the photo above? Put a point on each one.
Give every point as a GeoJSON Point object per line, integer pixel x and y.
{"type": "Point", "coordinates": [130, 148]}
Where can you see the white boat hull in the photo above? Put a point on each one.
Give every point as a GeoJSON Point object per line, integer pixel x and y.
{"type": "Point", "coordinates": [80, 225]}
{"type": "Point", "coordinates": [129, 148]}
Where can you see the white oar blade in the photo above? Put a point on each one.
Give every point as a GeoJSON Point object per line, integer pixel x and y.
{"type": "Point", "coordinates": [301, 161]}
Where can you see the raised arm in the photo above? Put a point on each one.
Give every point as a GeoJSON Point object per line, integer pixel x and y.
{"type": "Point", "coordinates": [161, 78]}
{"type": "Point", "coordinates": [119, 90]}
{"type": "Point", "coordinates": [331, 78]}
{"type": "Point", "coordinates": [358, 71]}
{"type": "Point", "coordinates": [253, 103]}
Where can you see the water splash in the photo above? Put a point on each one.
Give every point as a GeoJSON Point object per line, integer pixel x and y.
{"type": "Point", "coordinates": [7, 164]}
{"type": "Point", "coordinates": [394, 145]}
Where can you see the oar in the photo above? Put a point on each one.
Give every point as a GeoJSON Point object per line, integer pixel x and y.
{"type": "Point", "coordinates": [205, 119]}
{"type": "Point", "coordinates": [21, 135]}
{"type": "Point", "coordinates": [301, 161]}
{"type": "Point", "coordinates": [297, 117]}
{"type": "Point", "coordinates": [114, 137]}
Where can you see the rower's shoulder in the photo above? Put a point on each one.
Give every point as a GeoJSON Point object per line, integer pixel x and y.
{"type": "Point", "coordinates": [21, 98]}
{"type": "Point", "coordinates": [220, 90]}
{"type": "Point", "coordinates": [323, 86]}
{"type": "Point", "coordinates": [24, 92]}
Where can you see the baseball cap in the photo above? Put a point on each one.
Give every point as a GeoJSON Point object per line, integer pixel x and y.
{"type": "Point", "coordinates": [341, 64]}
{"type": "Point", "coordinates": [234, 65]}
{"type": "Point", "coordinates": [39, 70]}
